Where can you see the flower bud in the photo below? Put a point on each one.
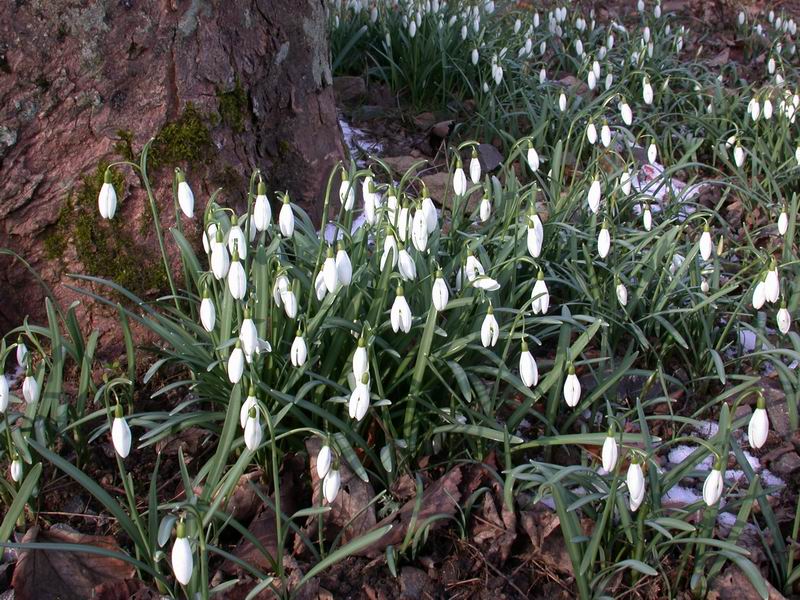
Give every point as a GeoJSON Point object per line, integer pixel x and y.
{"type": "Point", "coordinates": [324, 460]}
{"type": "Point", "coordinates": [120, 433]}
{"type": "Point", "coordinates": [182, 560]}
{"type": "Point", "coordinates": [286, 218]}
{"type": "Point", "coordinates": [330, 485]}
{"type": "Point", "coordinates": [185, 195]}
{"type": "Point", "coordinates": [572, 387]}
{"type": "Point", "coordinates": [299, 351]}
{"type": "Point", "coordinates": [712, 488]}
{"type": "Point", "coordinates": [107, 199]}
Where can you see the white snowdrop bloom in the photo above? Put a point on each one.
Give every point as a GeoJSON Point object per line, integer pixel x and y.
{"type": "Point", "coordinates": [657, 11]}
{"type": "Point", "coordinates": [771, 66]}
{"type": "Point", "coordinates": [209, 235]}
{"type": "Point", "coordinates": [463, 32]}
{"type": "Point", "coordinates": [740, 19]}
{"type": "Point", "coordinates": [572, 387]}
{"type": "Point", "coordinates": [475, 167]}
{"type": "Point", "coordinates": [542, 76]}
{"type": "Point", "coordinates": [640, 5]}
{"type": "Point", "coordinates": [473, 268]}
{"type": "Point", "coordinates": [758, 428]}
{"type": "Point", "coordinates": [543, 47]}
{"type": "Point", "coordinates": [30, 387]}
{"type": "Point", "coordinates": [772, 284]}
{"type": "Point", "coordinates": [289, 300]}
{"type": "Point", "coordinates": [485, 209]}
{"type": "Point", "coordinates": [610, 453]}
{"type": "Point", "coordinates": [120, 434]}
{"type": "Point", "coordinates": [646, 34]}
{"type": "Point", "coordinates": [704, 287]}
{"type": "Point", "coordinates": [5, 395]}
{"type": "Point", "coordinates": [532, 157]}
{"type": "Point", "coordinates": [677, 263]}
{"type": "Point", "coordinates": [286, 218]}
{"type": "Point", "coordinates": [249, 402]}
{"type": "Point", "coordinates": [712, 488]}
{"type": "Point", "coordinates": [236, 239]}
{"type": "Point", "coordinates": [347, 192]}
{"type": "Point", "coordinates": [593, 197]}
{"type": "Point", "coordinates": [647, 91]}
{"type": "Point", "coordinates": [490, 330]}
{"type": "Point", "coordinates": [625, 182]}
{"type": "Point", "coordinates": [482, 282]}
{"type": "Point", "coordinates": [107, 198]}
{"type": "Point", "coordinates": [220, 261]}
{"type": "Point", "coordinates": [596, 69]}
{"type": "Point", "coordinates": [578, 48]}
{"type": "Point", "coordinates": [237, 279]}
{"type": "Point", "coordinates": [738, 155]}
{"type": "Point", "coordinates": [540, 295]}
{"type": "Point", "coordinates": [706, 245]}
{"type": "Point", "coordinates": [528, 370]}
{"type": "Point", "coordinates": [429, 209]}
{"type": "Point", "coordinates": [652, 153]}
{"type": "Point", "coordinates": [406, 265]}
{"type": "Point", "coordinates": [622, 294]}
{"type": "Point", "coordinates": [647, 218]}
{"type": "Point", "coordinates": [768, 109]}
{"type": "Point", "coordinates": [440, 294]}
{"type": "Point", "coordinates": [320, 291]}
{"type": "Point", "coordinates": [22, 352]}
{"type": "Point", "coordinates": [419, 230]}
{"type": "Point", "coordinates": [236, 363]}
{"type": "Point", "coordinates": [636, 486]}
{"type": "Point", "coordinates": [359, 399]}
{"type": "Point", "coordinates": [591, 80]}
{"type": "Point", "coordinates": [299, 351]}
{"type": "Point", "coordinates": [605, 135]}
{"type": "Point", "coordinates": [182, 560]}
{"type": "Point", "coordinates": [324, 461]}
{"type": "Point", "coordinates": [783, 222]}
{"type": "Point", "coordinates": [784, 319]}
{"type": "Point", "coordinates": [344, 268]}
{"type": "Point", "coordinates": [400, 315]}
{"type": "Point", "coordinates": [474, 56]}
{"type": "Point", "coordinates": [248, 336]}
{"type": "Point", "coordinates": [281, 285]}
{"type": "Point", "coordinates": [603, 241]}
{"type": "Point", "coordinates": [759, 294]}
{"type": "Point", "coordinates": [459, 179]}
{"type": "Point", "coordinates": [329, 272]}
{"type": "Point", "coordinates": [562, 102]}
{"type": "Point", "coordinates": [403, 222]}
{"type": "Point", "coordinates": [753, 109]}
{"type": "Point", "coordinates": [797, 155]}
{"type": "Point", "coordinates": [185, 195]}
{"type": "Point", "coordinates": [389, 248]}
{"type": "Point", "coordinates": [330, 485]}
{"type": "Point", "coordinates": [360, 359]}
{"type": "Point", "coordinates": [16, 470]}
{"type": "Point", "coordinates": [253, 432]}
{"type": "Point", "coordinates": [626, 113]}
{"type": "Point", "coordinates": [535, 235]}
{"type": "Point", "coordinates": [412, 29]}
{"type": "Point", "coordinates": [262, 212]}
{"type": "Point", "coordinates": [591, 133]}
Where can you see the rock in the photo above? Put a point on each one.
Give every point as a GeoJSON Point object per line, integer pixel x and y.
{"type": "Point", "coordinates": [787, 465]}
{"type": "Point", "coordinates": [732, 584]}
{"type": "Point", "coordinates": [425, 120]}
{"type": "Point", "coordinates": [490, 157]}
{"type": "Point", "coordinates": [349, 89]}
{"type": "Point", "coordinates": [441, 191]}
{"type": "Point", "coordinates": [401, 164]}
{"type": "Point", "coordinates": [224, 88]}
{"type": "Point", "coordinates": [777, 410]}
{"type": "Point", "coordinates": [414, 584]}
{"type": "Point", "coordinates": [442, 129]}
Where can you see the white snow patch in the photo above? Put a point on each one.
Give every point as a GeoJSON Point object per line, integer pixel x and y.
{"type": "Point", "coordinates": [707, 429]}
{"type": "Point", "coordinates": [681, 495]}
{"type": "Point", "coordinates": [680, 453]}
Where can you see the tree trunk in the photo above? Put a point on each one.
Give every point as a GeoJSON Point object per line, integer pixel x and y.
{"type": "Point", "coordinates": [224, 87]}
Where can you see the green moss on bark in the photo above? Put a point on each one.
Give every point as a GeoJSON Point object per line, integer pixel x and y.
{"type": "Point", "coordinates": [233, 106]}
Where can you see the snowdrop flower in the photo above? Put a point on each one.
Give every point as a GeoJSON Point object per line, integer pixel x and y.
{"type": "Point", "coordinates": [419, 230]}
{"type": "Point", "coordinates": [344, 268]}
{"type": "Point", "coordinates": [625, 181]}
{"type": "Point", "coordinates": [758, 428]}
{"type": "Point", "coordinates": [647, 218]}
{"type": "Point", "coordinates": [603, 241]}
{"type": "Point", "coordinates": [281, 285]}
{"type": "Point", "coordinates": [591, 133]}
{"type": "Point", "coordinates": [622, 294]}
{"type": "Point", "coordinates": [429, 209]}
{"type": "Point", "coordinates": [107, 199]}
{"type": "Point", "coordinates": [208, 314]}
{"type": "Point", "coordinates": [253, 433]}
{"type": "Point", "coordinates": [324, 460]}
{"type": "Point", "coordinates": [652, 153]}
{"type": "Point", "coordinates": [485, 209]}
{"type": "Point", "coordinates": [262, 212]}
{"type": "Point", "coordinates": [474, 56]}
{"type": "Point", "coordinates": [753, 109]}
{"type": "Point", "coordinates": [403, 223]}
{"type": "Point", "coordinates": [591, 80]}
{"type": "Point", "coordinates": [16, 470]}
{"type": "Point", "coordinates": [330, 485]}
{"type": "Point", "coordinates": [474, 167]}
{"type": "Point", "coordinates": [705, 243]}
{"type": "Point", "coordinates": [572, 387]}
{"type": "Point", "coordinates": [540, 296]}
{"type": "Point", "coordinates": [528, 371]}
{"type": "Point", "coordinates": [440, 293]}
{"type": "Point", "coordinates": [185, 195]}
{"type": "Point", "coordinates": [647, 91]}
{"type": "Point", "coordinates": [562, 102]}
{"type": "Point", "coordinates": [738, 155]}
{"type": "Point", "coordinates": [704, 287]}
{"type": "Point", "coordinates": [347, 193]}
{"type": "Point", "coordinates": [771, 66]}
{"type": "Point", "coordinates": [286, 218]}
{"type": "Point", "coordinates": [783, 221]}
{"type": "Point", "coordinates": [490, 330]}
{"type": "Point", "coordinates": [593, 197]}
{"type": "Point", "coordinates": [250, 402]}
{"type": "Point", "coordinates": [360, 359]}
{"type": "Point", "coordinates": [289, 300]}
{"type": "Point", "coordinates": [236, 238]}
{"type": "Point", "coordinates": [473, 268]}
{"type": "Point", "coordinates": [236, 363]}
{"type": "Point", "coordinates": [459, 179]}
{"type": "Point", "coordinates": [605, 135]}
{"type": "Point", "coordinates": [182, 561]}
{"type": "Point", "coordinates": [400, 315]}
{"type": "Point", "coordinates": [784, 319]}
{"type": "Point", "coordinates": [359, 398]}
{"type": "Point", "coordinates": [712, 488]}
{"type": "Point", "coordinates": [220, 262]}
{"type": "Point", "coordinates": [248, 336]}
{"type": "Point", "coordinates": [237, 280]}
{"type": "Point", "coordinates": [4, 393]}
{"type": "Point", "coordinates": [542, 76]}
{"type": "Point", "coordinates": [610, 452]}
{"type": "Point", "coordinates": [532, 157]}
{"type": "Point", "coordinates": [22, 352]}
{"type": "Point", "coordinates": [389, 249]}
{"type": "Point", "coordinates": [406, 265]}
{"type": "Point", "coordinates": [772, 284]}
{"type": "Point", "coordinates": [329, 272]}
{"type": "Point", "coordinates": [30, 387]}
{"type": "Point", "coordinates": [535, 234]}
{"type": "Point", "coordinates": [759, 294]}
{"type": "Point", "coordinates": [635, 482]}
{"type": "Point", "coordinates": [412, 29]}
{"type": "Point", "coordinates": [120, 433]}
{"type": "Point", "coordinates": [640, 5]}
{"type": "Point", "coordinates": [626, 112]}
{"type": "Point", "coordinates": [482, 282]}
{"type": "Point", "coordinates": [299, 351]}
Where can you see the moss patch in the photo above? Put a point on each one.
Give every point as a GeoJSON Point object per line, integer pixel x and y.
{"type": "Point", "coordinates": [233, 106]}
{"type": "Point", "coordinates": [185, 140]}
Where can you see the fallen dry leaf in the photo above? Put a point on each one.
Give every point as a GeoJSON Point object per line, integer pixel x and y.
{"type": "Point", "coordinates": [63, 575]}
{"type": "Point", "coordinates": [495, 531]}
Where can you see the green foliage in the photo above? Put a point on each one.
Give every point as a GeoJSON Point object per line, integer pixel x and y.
{"type": "Point", "coordinates": [233, 106]}
{"type": "Point", "coordinates": [186, 140]}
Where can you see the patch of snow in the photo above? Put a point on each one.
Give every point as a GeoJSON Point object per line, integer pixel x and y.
{"type": "Point", "coordinates": [755, 463]}
{"type": "Point", "coordinates": [707, 429]}
{"type": "Point", "coordinates": [769, 479]}
{"type": "Point", "coordinates": [334, 233]}
{"type": "Point", "coordinates": [680, 453]}
{"type": "Point", "coordinates": [734, 475]}
{"type": "Point", "coordinates": [680, 495]}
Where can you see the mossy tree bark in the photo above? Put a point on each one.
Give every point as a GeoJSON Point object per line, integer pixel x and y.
{"type": "Point", "coordinates": [224, 87]}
